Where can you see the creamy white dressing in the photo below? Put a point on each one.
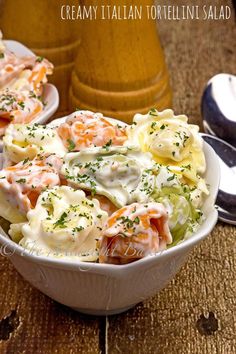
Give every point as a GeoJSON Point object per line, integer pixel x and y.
{"type": "Point", "coordinates": [21, 86]}
{"type": "Point", "coordinates": [166, 178]}
{"type": "Point", "coordinates": [26, 141]}
{"type": "Point", "coordinates": [21, 83]}
{"type": "Point", "coordinates": [20, 105]}
{"type": "Point", "coordinates": [12, 66]}
{"type": "Point", "coordinates": [28, 177]}
{"type": "Point", "coordinates": [128, 229]}
{"type": "Point", "coordinates": [169, 138]}
{"type": "Point", "coordinates": [66, 222]}
{"type": "Point", "coordinates": [138, 210]}
{"type": "Point", "coordinates": [113, 172]}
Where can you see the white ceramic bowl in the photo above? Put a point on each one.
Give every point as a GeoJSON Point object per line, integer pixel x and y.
{"type": "Point", "coordinates": [102, 289]}
{"type": "Point", "coordinates": [50, 93]}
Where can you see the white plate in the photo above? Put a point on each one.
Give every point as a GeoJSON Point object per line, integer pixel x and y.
{"type": "Point", "coordinates": [50, 93]}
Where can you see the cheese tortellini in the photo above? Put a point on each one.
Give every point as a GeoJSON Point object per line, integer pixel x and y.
{"type": "Point", "coordinates": [133, 232]}
{"type": "Point", "coordinates": [171, 141]}
{"type": "Point", "coordinates": [114, 172]}
{"type": "Point", "coordinates": [26, 141]}
{"type": "Point", "coordinates": [63, 222]}
{"type": "Point", "coordinates": [21, 184]}
{"type": "Point", "coordinates": [85, 129]}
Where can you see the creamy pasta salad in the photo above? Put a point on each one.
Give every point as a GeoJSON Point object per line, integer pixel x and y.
{"type": "Point", "coordinates": [95, 189]}
{"type": "Point", "coordinates": [21, 86]}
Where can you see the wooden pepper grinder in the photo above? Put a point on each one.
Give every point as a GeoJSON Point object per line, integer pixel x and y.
{"type": "Point", "coordinates": [120, 68]}
{"type": "Point", "coordinates": [39, 26]}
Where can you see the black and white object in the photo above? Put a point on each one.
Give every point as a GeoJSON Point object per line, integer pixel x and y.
{"type": "Point", "coordinates": [219, 107]}
{"type": "Point", "coordinates": [226, 198]}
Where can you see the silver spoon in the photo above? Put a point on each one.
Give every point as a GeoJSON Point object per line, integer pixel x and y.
{"type": "Point", "coordinates": [226, 199]}
{"type": "Point", "coordinates": [219, 107]}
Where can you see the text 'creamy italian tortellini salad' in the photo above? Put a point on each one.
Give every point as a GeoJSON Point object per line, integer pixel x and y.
{"type": "Point", "coordinates": [94, 189]}
{"type": "Point", "coordinates": [21, 86]}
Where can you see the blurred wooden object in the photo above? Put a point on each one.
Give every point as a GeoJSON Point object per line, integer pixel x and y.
{"type": "Point", "coordinates": [120, 68]}
{"type": "Point", "coordinates": [39, 26]}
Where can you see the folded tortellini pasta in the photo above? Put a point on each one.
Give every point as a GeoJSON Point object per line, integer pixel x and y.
{"type": "Point", "coordinates": [64, 223]}
{"type": "Point", "coordinates": [172, 142]}
{"type": "Point", "coordinates": [22, 83]}
{"type": "Point", "coordinates": [21, 185]}
{"type": "Point", "coordinates": [114, 172]}
{"type": "Point", "coordinates": [133, 232]}
{"type": "Point", "coordinates": [85, 129]}
{"type": "Point", "coordinates": [105, 204]}
{"type": "Point", "coordinates": [26, 141]}
{"type": "Point", "coordinates": [17, 107]}
{"type": "Point", "coordinates": [32, 69]}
